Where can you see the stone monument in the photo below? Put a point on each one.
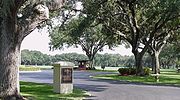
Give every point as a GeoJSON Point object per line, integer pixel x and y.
{"type": "Point", "coordinates": [63, 77]}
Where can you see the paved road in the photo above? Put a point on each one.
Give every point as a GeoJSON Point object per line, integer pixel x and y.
{"type": "Point", "coordinates": [107, 89]}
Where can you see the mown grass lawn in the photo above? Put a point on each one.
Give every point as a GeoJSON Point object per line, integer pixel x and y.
{"type": "Point", "coordinates": [167, 77]}
{"type": "Point", "coordinates": [37, 91]}
{"type": "Point", "coordinates": [29, 68]}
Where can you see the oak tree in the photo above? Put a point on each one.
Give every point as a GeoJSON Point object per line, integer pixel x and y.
{"type": "Point", "coordinates": [18, 18]}
{"type": "Point", "coordinates": [92, 39]}
{"type": "Point", "coordinates": [137, 21]}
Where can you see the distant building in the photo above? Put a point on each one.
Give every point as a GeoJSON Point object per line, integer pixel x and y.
{"type": "Point", "coordinates": [83, 64]}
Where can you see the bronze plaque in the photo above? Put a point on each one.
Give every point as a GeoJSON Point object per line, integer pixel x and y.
{"type": "Point", "coordinates": [66, 75]}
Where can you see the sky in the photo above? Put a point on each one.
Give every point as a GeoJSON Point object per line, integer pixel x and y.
{"type": "Point", "coordinates": [40, 41]}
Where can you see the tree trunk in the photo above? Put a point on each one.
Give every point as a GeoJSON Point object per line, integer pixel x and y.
{"type": "Point", "coordinates": [91, 62]}
{"type": "Point", "coordinates": [9, 61]}
{"type": "Point", "coordinates": [9, 76]}
{"type": "Point", "coordinates": [153, 63]}
{"type": "Point", "coordinates": [157, 67]}
{"type": "Point", "coordinates": [138, 64]}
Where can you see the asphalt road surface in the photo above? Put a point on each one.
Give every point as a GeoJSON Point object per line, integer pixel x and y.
{"type": "Point", "coordinates": [108, 89]}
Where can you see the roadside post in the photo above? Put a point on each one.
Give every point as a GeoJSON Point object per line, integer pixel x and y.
{"type": "Point", "coordinates": [63, 77]}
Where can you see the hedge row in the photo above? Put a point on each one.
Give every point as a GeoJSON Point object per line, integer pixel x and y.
{"type": "Point", "coordinates": [132, 71]}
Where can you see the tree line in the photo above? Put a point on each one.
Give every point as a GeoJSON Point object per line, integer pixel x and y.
{"type": "Point", "coordinates": [38, 58]}
{"type": "Point", "coordinates": [168, 59]}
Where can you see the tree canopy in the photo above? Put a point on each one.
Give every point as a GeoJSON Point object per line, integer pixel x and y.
{"type": "Point", "coordinates": [85, 31]}
{"type": "Point", "coordinates": [139, 23]}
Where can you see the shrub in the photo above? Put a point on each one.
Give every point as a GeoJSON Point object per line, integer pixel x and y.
{"type": "Point", "coordinates": [146, 71]}
{"type": "Point", "coordinates": [121, 71]}
{"type": "Point", "coordinates": [132, 71]}
{"type": "Point", "coordinates": [125, 71]}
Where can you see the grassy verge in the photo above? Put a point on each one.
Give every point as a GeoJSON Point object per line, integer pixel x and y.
{"type": "Point", "coordinates": [34, 68]}
{"type": "Point", "coordinates": [29, 68]}
{"type": "Point", "coordinates": [37, 91]}
{"type": "Point", "coordinates": [167, 77]}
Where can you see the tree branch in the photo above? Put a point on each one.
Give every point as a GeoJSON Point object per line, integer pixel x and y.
{"type": "Point", "coordinates": [84, 47]}
{"type": "Point", "coordinates": [160, 46]}
{"type": "Point", "coordinates": [19, 3]}
{"type": "Point", "coordinates": [55, 4]}
{"type": "Point", "coordinates": [28, 23]}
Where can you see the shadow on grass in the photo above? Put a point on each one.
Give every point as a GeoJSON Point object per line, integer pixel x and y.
{"type": "Point", "coordinates": [37, 91]}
